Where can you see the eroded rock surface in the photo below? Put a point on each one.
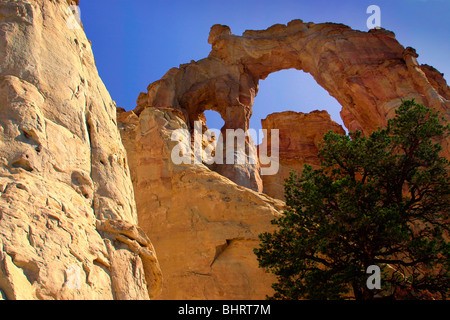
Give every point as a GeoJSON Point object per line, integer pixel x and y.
{"type": "Point", "coordinates": [203, 226]}
{"type": "Point", "coordinates": [299, 137]}
{"type": "Point", "coordinates": [63, 169]}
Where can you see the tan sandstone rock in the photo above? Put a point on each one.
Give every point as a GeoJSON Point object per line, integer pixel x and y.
{"type": "Point", "coordinates": [203, 226]}
{"type": "Point", "coordinates": [67, 211]}
{"type": "Point", "coordinates": [299, 137]}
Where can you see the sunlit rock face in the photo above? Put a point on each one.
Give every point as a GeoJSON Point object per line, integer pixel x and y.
{"type": "Point", "coordinates": [68, 219]}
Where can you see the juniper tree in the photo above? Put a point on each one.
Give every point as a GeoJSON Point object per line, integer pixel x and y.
{"type": "Point", "coordinates": [379, 200]}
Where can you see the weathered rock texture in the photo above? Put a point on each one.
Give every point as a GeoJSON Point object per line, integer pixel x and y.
{"type": "Point", "coordinates": [68, 220]}
{"type": "Point", "coordinates": [369, 73]}
{"type": "Point", "coordinates": [299, 137]}
{"type": "Point", "coordinates": [204, 226]}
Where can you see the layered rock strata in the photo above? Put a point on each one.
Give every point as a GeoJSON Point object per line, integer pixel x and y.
{"type": "Point", "coordinates": [68, 213]}
{"type": "Point", "coordinates": [299, 137]}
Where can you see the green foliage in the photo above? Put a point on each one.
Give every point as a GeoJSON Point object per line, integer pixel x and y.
{"type": "Point", "coordinates": [378, 200]}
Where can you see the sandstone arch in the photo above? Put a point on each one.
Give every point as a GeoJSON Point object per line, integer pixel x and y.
{"type": "Point", "coordinates": [203, 226]}
{"type": "Point", "coordinates": [367, 72]}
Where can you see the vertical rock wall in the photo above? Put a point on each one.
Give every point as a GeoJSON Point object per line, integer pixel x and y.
{"type": "Point", "coordinates": [67, 210]}
{"type": "Point", "coordinates": [68, 217]}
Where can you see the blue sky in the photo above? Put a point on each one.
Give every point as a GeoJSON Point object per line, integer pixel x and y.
{"type": "Point", "coordinates": [135, 42]}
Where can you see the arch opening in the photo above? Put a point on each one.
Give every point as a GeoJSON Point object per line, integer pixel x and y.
{"type": "Point", "coordinates": [292, 90]}
{"type": "Point", "coordinates": [302, 111]}
{"type": "Point", "coordinates": [213, 119]}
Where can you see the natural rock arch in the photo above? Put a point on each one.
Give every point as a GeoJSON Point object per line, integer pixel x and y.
{"type": "Point", "coordinates": [203, 226]}
{"type": "Point", "coordinates": [368, 73]}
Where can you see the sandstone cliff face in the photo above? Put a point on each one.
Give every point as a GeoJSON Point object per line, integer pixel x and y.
{"type": "Point", "coordinates": [204, 226]}
{"type": "Point", "coordinates": [299, 137]}
{"type": "Point", "coordinates": [68, 220]}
